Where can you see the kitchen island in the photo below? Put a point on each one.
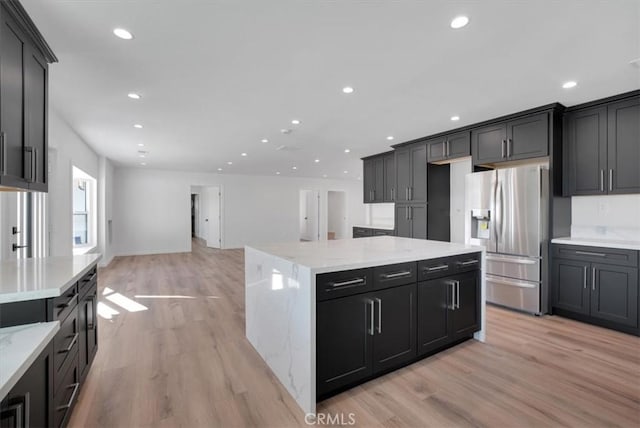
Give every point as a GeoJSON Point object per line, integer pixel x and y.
{"type": "Point", "coordinates": [327, 315]}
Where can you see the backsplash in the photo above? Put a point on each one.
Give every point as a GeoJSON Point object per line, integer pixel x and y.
{"type": "Point", "coordinates": [381, 214]}
{"type": "Point", "coordinates": [614, 217]}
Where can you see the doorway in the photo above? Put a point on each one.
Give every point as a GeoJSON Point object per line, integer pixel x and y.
{"type": "Point", "coordinates": [212, 216]}
{"type": "Point", "coordinates": [337, 215]}
{"type": "Point", "coordinates": [309, 215]}
{"type": "Point", "coordinates": [195, 211]}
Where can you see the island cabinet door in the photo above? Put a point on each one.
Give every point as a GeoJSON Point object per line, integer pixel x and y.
{"type": "Point", "coordinates": [466, 312]}
{"type": "Point", "coordinates": [344, 342]}
{"type": "Point", "coordinates": [435, 301]}
{"type": "Point", "coordinates": [395, 327]}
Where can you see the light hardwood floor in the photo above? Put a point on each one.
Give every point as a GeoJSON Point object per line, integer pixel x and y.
{"type": "Point", "coordinates": [184, 362]}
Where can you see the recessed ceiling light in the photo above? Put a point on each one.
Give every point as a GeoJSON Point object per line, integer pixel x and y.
{"type": "Point", "coordinates": [359, 178]}
{"type": "Point", "coordinates": [142, 156]}
{"type": "Point", "coordinates": [570, 84]}
{"type": "Point", "coordinates": [347, 150]}
{"type": "Point", "coordinates": [219, 169]}
{"type": "Point", "coordinates": [455, 118]}
{"type": "Point", "coordinates": [264, 140]}
{"type": "Point", "coordinates": [324, 175]}
{"type": "Point", "coordinates": [137, 126]}
{"type": "Point", "coordinates": [229, 163]}
{"type": "Point", "coordinates": [243, 154]}
{"type": "Point", "coordinates": [346, 172]}
{"type": "Point", "coordinates": [140, 144]}
{"type": "Point", "coordinates": [317, 160]}
{"type": "Point", "coordinates": [295, 122]}
{"type": "Point", "coordinates": [459, 22]}
{"type": "Point", "coordinates": [390, 137]}
{"type": "Point", "coordinates": [277, 172]}
{"type": "Point", "coordinates": [143, 163]}
{"type": "Point", "coordinates": [134, 96]}
{"type": "Point", "coordinates": [347, 90]}
{"type": "Point", "coordinates": [285, 131]}
{"type": "Point", "coordinates": [294, 167]}
{"type": "Point", "coordinates": [123, 34]}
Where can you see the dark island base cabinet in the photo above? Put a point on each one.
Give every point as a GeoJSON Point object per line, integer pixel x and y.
{"type": "Point", "coordinates": [366, 232]}
{"type": "Point", "coordinates": [382, 322]}
{"type": "Point", "coordinates": [597, 285]}
{"type": "Point", "coordinates": [28, 402]}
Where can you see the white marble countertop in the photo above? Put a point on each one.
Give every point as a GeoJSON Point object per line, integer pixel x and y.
{"type": "Point", "coordinates": [19, 348]}
{"type": "Point", "coordinates": [376, 226]}
{"type": "Point", "coordinates": [344, 254]}
{"type": "Point", "coordinates": [41, 278]}
{"type": "Point", "coordinates": [605, 243]}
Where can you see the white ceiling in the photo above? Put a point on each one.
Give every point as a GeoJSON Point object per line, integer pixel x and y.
{"type": "Point", "coordinates": [218, 76]}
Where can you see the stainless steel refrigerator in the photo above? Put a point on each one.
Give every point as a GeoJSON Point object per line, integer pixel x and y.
{"type": "Point", "coordinates": [507, 212]}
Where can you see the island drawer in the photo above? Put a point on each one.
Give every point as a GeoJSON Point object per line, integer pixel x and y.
{"type": "Point", "coordinates": [89, 279]}
{"type": "Point", "coordinates": [345, 283]}
{"type": "Point", "coordinates": [394, 275]}
{"type": "Point", "coordinates": [65, 346]}
{"type": "Point", "coordinates": [613, 256]}
{"type": "Point", "coordinates": [63, 305]}
{"type": "Point", "coordinates": [467, 262]}
{"type": "Point", "coordinates": [65, 397]}
{"type": "Point", "coordinates": [435, 268]}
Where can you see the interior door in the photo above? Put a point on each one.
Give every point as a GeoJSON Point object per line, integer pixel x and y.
{"type": "Point", "coordinates": [213, 217]}
{"type": "Point", "coordinates": [518, 206]}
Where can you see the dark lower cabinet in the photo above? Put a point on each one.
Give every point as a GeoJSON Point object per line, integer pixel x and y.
{"type": "Point", "coordinates": [601, 293]}
{"type": "Point", "coordinates": [344, 342]}
{"type": "Point", "coordinates": [448, 310]}
{"type": "Point", "coordinates": [88, 340]}
{"type": "Point", "coordinates": [28, 404]}
{"type": "Point", "coordinates": [376, 330]}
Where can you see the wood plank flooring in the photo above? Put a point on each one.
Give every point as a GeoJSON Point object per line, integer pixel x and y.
{"type": "Point", "coordinates": [184, 362]}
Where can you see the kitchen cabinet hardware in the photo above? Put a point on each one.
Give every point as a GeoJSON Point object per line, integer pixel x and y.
{"type": "Point", "coordinates": [379, 301]}
{"type": "Point", "coordinates": [372, 316]}
{"type": "Point", "coordinates": [68, 302]}
{"type": "Point", "coordinates": [71, 344]}
{"type": "Point", "coordinates": [75, 387]}
{"type": "Point", "coordinates": [396, 274]}
{"type": "Point", "coordinates": [611, 180]}
{"type": "Point", "coordinates": [16, 247]}
{"type": "Point", "coordinates": [468, 262]}
{"type": "Point", "coordinates": [593, 279]}
{"type": "Point", "coordinates": [3, 153]}
{"type": "Point", "coordinates": [357, 281]}
{"type": "Point", "coordinates": [436, 268]}
{"type": "Point", "coordinates": [585, 276]}
{"type": "Point", "coordinates": [589, 253]}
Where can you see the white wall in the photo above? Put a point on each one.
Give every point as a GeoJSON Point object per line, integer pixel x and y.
{"type": "Point", "coordinates": [68, 149]}
{"type": "Point", "coordinates": [337, 211]}
{"type": "Point", "coordinates": [457, 172]}
{"type": "Point", "coordinates": [152, 208]}
{"type": "Point", "coordinates": [609, 217]}
{"type": "Point", "coordinates": [380, 214]}
{"type": "Point", "coordinates": [105, 210]}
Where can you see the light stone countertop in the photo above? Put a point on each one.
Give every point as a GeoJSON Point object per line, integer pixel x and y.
{"type": "Point", "coordinates": [19, 348]}
{"type": "Point", "coordinates": [604, 243]}
{"type": "Point", "coordinates": [375, 226]}
{"type": "Point", "coordinates": [41, 278]}
{"type": "Point", "coordinates": [345, 254]}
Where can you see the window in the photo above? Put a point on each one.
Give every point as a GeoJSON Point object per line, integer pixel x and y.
{"type": "Point", "coordinates": [84, 210]}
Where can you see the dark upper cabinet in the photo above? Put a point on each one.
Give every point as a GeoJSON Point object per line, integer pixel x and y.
{"type": "Point", "coordinates": [411, 174]}
{"type": "Point", "coordinates": [602, 148]}
{"type": "Point", "coordinates": [585, 138]}
{"type": "Point", "coordinates": [523, 138]}
{"type": "Point", "coordinates": [375, 179]}
{"type": "Point", "coordinates": [24, 63]}
{"type": "Point", "coordinates": [344, 338]}
{"type": "Point", "coordinates": [623, 146]}
{"type": "Point", "coordinates": [571, 285]}
{"type": "Point", "coordinates": [28, 404]}
{"type": "Point", "coordinates": [411, 221]}
{"type": "Point", "coordinates": [614, 293]}
{"type": "Point", "coordinates": [389, 193]}
{"type": "Point", "coordinates": [449, 147]}
{"type": "Point", "coordinates": [395, 327]}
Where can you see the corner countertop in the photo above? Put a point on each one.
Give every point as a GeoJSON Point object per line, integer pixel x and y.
{"type": "Point", "coordinates": [375, 226]}
{"type": "Point", "coordinates": [604, 243]}
{"type": "Point", "coordinates": [41, 278]}
{"type": "Point", "coordinates": [344, 254]}
{"type": "Point", "coordinates": [19, 348]}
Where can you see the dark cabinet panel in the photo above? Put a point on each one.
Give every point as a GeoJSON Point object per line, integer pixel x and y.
{"type": "Point", "coordinates": [403, 223]}
{"type": "Point", "coordinates": [466, 315]}
{"type": "Point", "coordinates": [378, 184]}
{"type": "Point", "coordinates": [395, 326]}
{"type": "Point", "coordinates": [389, 193]}
{"type": "Point", "coordinates": [28, 403]}
{"type": "Point", "coordinates": [369, 179]}
{"type": "Point", "coordinates": [437, 149]}
{"type": "Point", "coordinates": [11, 102]}
{"type": "Point", "coordinates": [418, 215]}
{"type": "Point", "coordinates": [458, 145]}
{"type": "Point", "coordinates": [614, 294]}
{"type": "Point", "coordinates": [528, 137]}
{"type": "Point", "coordinates": [403, 174]}
{"type": "Point", "coordinates": [88, 339]}
{"type": "Point", "coordinates": [585, 136]}
{"type": "Point", "coordinates": [438, 208]}
{"type": "Point", "coordinates": [489, 144]}
{"type": "Point", "coordinates": [571, 285]}
{"type": "Point", "coordinates": [624, 146]}
{"type": "Point", "coordinates": [418, 189]}
{"type": "Point", "coordinates": [434, 311]}
{"type": "Point", "coordinates": [35, 92]}
{"type": "Point", "coordinates": [344, 341]}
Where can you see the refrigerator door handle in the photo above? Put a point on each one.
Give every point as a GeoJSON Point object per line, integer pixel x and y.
{"type": "Point", "coordinates": [499, 211]}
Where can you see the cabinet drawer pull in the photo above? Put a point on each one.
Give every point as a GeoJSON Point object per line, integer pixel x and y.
{"type": "Point", "coordinates": [372, 315]}
{"type": "Point", "coordinates": [379, 315]}
{"type": "Point", "coordinates": [68, 302]}
{"type": "Point", "coordinates": [468, 263]}
{"type": "Point", "coordinates": [395, 275]}
{"type": "Point", "coordinates": [504, 142]}
{"type": "Point", "coordinates": [593, 279]}
{"type": "Point", "coordinates": [75, 387]}
{"type": "Point", "coordinates": [585, 277]}
{"type": "Point", "coordinates": [70, 347]}
{"type": "Point", "coordinates": [393, 191]}
{"type": "Point", "coordinates": [509, 143]}
{"type": "Point", "coordinates": [436, 268]}
{"type": "Point", "coordinates": [3, 153]}
{"type": "Point", "coordinates": [90, 279]}
{"type": "Point", "coordinates": [589, 253]}
{"type": "Point", "coordinates": [602, 180]}
{"type": "Point", "coordinates": [350, 282]}
{"type": "Point", "coordinates": [611, 180]}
